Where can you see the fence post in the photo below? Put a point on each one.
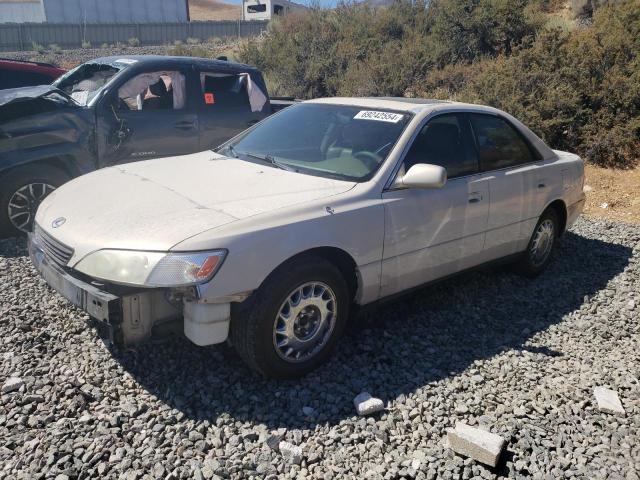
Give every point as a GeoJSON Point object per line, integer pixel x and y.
{"type": "Point", "coordinates": [20, 38]}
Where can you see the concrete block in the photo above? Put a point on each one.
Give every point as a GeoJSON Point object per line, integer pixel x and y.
{"type": "Point", "coordinates": [485, 447]}
{"type": "Point", "coordinates": [608, 400]}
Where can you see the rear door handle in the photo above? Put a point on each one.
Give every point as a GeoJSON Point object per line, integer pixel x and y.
{"type": "Point", "coordinates": [186, 125]}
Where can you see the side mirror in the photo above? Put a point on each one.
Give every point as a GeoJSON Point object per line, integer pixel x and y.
{"type": "Point", "coordinates": [424, 175]}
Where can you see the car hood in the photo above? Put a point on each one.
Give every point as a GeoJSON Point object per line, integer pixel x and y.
{"type": "Point", "coordinates": [155, 204]}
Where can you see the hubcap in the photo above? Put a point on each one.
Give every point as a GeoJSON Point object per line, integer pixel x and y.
{"type": "Point", "coordinates": [542, 242]}
{"type": "Point", "coordinates": [304, 322]}
{"type": "Point", "coordinates": [24, 203]}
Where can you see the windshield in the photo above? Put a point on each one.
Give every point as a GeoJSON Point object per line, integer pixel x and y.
{"type": "Point", "coordinates": [336, 141]}
{"type": "Point", "coordinates": [85, 81]}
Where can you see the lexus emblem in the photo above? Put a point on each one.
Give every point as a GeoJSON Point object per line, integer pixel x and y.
{"type": "Point", "coordinates": [58, 222]}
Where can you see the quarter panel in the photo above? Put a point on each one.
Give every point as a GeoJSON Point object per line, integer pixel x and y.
{"type": "Point", "coordinates": [258, 246]}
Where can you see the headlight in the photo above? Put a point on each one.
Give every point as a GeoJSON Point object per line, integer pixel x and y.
{"type": "Point", "coordinates": [152, 269]}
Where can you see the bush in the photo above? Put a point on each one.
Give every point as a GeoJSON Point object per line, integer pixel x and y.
{"type": "Point", "coordinates": [133, 42]}
{"type": "Point", "coordinates": [86, 44]}
{"type": "Point", "coordinates": [578, 88]}
{"type": "Point", "coordinates": [55, 48]}
{"type": "Point", "coordinates": [36, 47]}
{"type": "Point", "coordinates": [193, 41]}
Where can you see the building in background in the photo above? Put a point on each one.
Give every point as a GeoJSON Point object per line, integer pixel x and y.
{"type": "Point", "coordinates": [94, 11]}
{"type": "Point", "coordinates": [267, 9]}
{"type": "Point", "coordinates": [21, 11]}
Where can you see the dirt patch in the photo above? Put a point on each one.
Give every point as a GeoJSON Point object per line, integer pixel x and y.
{"type": "Point", "coordinates": [613, 194]}
{"type": "Point", "coordinates": [203, 10]}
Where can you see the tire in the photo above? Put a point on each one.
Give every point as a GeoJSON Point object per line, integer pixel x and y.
{"type": "Point", "coordinates": [541, 245]}
{"type": "Point", "coordinates": [43, 178]}
{"type": "Point", "coordinates": [313, 281]}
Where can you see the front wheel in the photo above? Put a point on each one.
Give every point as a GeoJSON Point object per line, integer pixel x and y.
{"type": "Point", "coordinates": [292, 323]}
{"type": "Point", "coordinates": [21, 191]}
{"type": "Point", "coordinates": [538, 254]}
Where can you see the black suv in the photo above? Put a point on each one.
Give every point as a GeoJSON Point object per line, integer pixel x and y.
{"type": "Point", "coordinates": [116, 110]}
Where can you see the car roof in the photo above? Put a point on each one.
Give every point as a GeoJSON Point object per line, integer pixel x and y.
{"type": "Point", "coordinates": [152, 60]}
{"type": "Point", "coordinates": [29, 66]}
{"type": "Point", "coordinates": [413, 105]}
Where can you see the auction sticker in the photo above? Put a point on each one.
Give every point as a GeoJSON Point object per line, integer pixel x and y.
{"type": "Point", "coordinates": [379, 116]}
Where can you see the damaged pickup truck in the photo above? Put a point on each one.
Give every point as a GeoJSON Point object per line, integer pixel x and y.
{"type": "Point", "coordinates": [116, 110]}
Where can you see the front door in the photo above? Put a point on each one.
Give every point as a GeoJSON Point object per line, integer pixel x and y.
{"type": "Point", "coordinates": [431, 233]}
{"type": "Point", "coordinates": [151, 115]}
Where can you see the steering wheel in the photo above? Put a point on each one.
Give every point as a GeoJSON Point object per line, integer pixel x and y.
{"type": "Point", "coordinates": [369, 159]}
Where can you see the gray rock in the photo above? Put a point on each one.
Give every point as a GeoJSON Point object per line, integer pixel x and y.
{"type": "Point", "coordinates": [290, 453]}
{"type": "Point", "coordinates": [366, 404]}
{"type": "Point", "coordinates": [12, 384]}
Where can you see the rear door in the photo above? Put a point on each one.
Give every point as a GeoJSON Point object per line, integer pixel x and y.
{"type": "Point", "coordinates": [151, 115]}
{"type": "Point", "coordinates": [431, 233]}
{"type": "Point", "coordinates": [224, 107]}
{"type": "Point", "coordinates": [510, 165]}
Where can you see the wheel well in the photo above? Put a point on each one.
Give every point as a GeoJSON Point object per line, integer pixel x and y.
{"type": "Point", "coordinates": [64, 164]}
{"type": "Point", "coordinates": [341, 259]}
{"type": "Point", "coordinates": [561, 210]}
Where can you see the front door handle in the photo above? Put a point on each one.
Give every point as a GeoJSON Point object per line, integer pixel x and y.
{"type": "Point", "coordinates": [186, 125]}
{"type": "Point", "coordinates": [475, 197]}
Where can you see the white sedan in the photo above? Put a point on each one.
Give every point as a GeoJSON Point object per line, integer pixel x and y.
{"type": "Point", "coordinates": [273, 239]}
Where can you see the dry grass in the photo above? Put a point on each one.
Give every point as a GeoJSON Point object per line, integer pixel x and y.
{"type": "Point", "coordinates": [203, 10]}
{"type": "Point", "coordinates": [619, 190]}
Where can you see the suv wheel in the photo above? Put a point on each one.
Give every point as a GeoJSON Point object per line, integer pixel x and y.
{"type": "Point", "coordinates": [21, 192]}
{"type": "Point", "coordinates": [292, 323]}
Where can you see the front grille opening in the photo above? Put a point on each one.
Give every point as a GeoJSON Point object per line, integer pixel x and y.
{"type": "Point", "coordinates": [56, 251]}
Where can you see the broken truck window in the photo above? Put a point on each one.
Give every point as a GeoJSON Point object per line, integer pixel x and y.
{"type": "Point", "coordinates": [153, 91]}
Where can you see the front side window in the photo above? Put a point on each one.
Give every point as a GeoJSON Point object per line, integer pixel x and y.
{"type": "Point", "coordinates": [163, 90]}
{"type": "Point", "coordinates": [444, 141]}
{"type": "Point", "coordinates": [335, 141]}
{"type": "Point", "coordinates": [499, 145]}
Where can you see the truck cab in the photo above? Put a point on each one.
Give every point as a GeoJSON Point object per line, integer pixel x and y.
{"type": "Point", "coordinates": [117, 110]}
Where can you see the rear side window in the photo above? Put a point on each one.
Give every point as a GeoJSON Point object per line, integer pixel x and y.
{"type": "Point", "coordinates": [445, 141]}
{"type": "Point", "coordinates": [224, 92]}
{"type": "Point", "coordinates": [499, 144]}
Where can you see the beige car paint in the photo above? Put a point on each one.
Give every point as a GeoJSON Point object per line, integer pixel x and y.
{"type": "Point", "coordinates": [398, 237]}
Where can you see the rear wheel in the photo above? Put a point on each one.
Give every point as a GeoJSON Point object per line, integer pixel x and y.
{"type": "Point", "coordinates": [292, 323]}
{"type": "Point", "coordinates": [538, 254]}
{"type": "Point", "coordinates": [21, 192]}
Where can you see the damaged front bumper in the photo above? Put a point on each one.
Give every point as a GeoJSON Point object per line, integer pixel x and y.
{"type": "Point", "coordinates": [129, 319]}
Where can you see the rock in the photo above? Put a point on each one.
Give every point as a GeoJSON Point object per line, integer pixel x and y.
{"type": "Point", "coordinates": [290, 453]}
{"type": "Point", "coordinates": [12, 384]}
{"type": "Point", "coordinates": [366, 404]}
{"type": "Point", "coordinates": [308, 411]}
{"type": "Point", "coordinates": [608, 401]}
{"type": "Point", "coordinates": [483, 446]}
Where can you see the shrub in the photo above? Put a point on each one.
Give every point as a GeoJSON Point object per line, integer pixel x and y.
{"type": "Point", "coordinates": [133, 42]}
{"type": "Point", "coordinates": [36, 47]}
{"type": "Point", "coordinates": [193, 41]}
{"type": "Point", "coordinates": [55, 48]}
{"type": "Point", "coordinates": [578, 88]}
{"type": "Point", "coordinates": [86, 44]}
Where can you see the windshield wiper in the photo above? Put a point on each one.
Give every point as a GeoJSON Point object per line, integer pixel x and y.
{"type": "Point", "coordinates": [271, 160]}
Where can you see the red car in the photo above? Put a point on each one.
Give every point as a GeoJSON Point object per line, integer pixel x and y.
{"type": "Point", "coordinates": [20, 73]}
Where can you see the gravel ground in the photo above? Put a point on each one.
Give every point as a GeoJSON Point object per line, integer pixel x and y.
{"type": "Point", "coordinates": [519, 357]}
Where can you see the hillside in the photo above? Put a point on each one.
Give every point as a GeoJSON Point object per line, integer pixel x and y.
{"type": "Point", "coordinates": [204, 10]}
